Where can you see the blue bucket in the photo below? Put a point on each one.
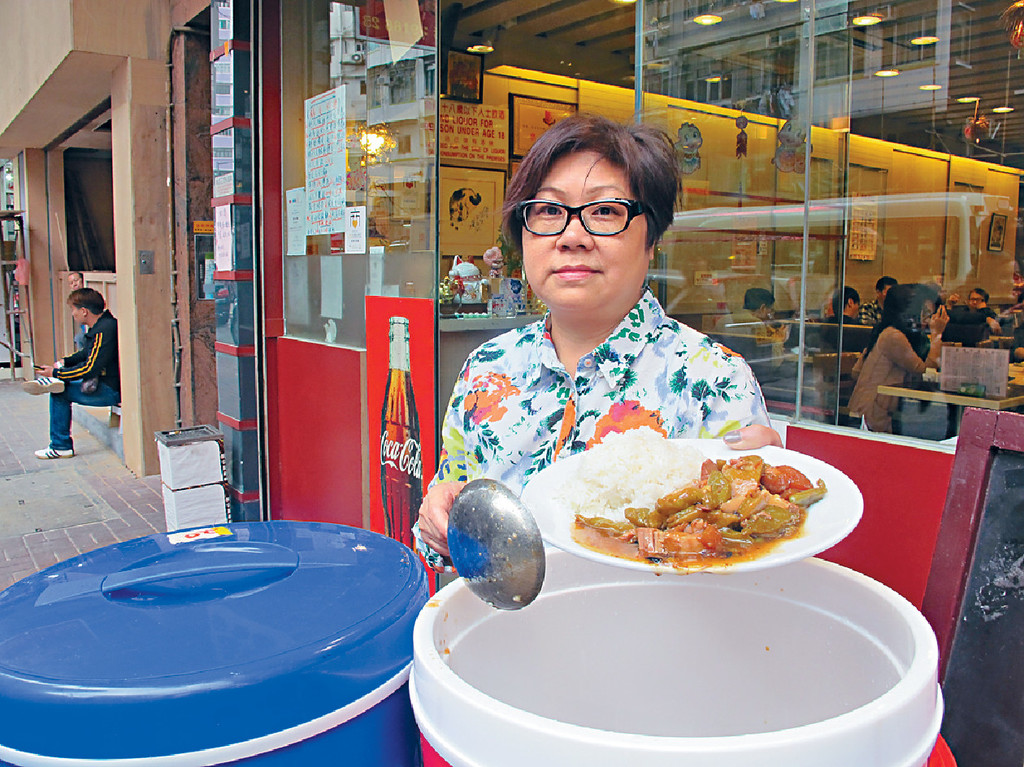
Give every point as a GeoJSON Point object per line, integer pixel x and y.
{"type": "Point", "coordinates": [273, 643]}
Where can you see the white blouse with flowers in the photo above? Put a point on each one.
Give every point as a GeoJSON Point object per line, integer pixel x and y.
{"type": "Point", "coordinates": [515, 409]}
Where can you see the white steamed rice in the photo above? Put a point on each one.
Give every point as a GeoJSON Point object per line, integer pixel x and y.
{"type": "Point", "coordinates": [628, 469]}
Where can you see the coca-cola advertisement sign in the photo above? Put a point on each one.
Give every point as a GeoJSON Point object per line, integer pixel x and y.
{"type": "Point", "coordinates": [400, 387]}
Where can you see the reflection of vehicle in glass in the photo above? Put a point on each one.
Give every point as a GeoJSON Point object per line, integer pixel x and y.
{"type": "Point", "coordinates": [968, 209]}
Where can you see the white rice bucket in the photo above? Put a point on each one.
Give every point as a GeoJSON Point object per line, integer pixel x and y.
{"type": "Point", "coordinates": [804, 665]}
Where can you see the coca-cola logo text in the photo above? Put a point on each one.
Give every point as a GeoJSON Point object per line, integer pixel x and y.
{"type": "Point", "coordinates": [404, 456]}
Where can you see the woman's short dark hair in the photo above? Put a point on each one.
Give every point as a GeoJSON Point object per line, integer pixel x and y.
{"type": "Point", "coordinates": [981, 292]}
{"type": "Point", "coordinates": [644, 153]}
{"type": "Point", "coordinates": [87, 298]}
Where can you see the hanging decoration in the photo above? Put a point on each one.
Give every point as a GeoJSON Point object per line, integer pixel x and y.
{"type": "Point", "coordinates": [789, 155]}
{"type": "Point", "coordinates": [1013, 20]}
{"type": "Point", "coordinates": [688, 143]}
{"type": "Point", "coordinates": [741, 137]}
{"type": "Point", "coordinates": [976, 126]}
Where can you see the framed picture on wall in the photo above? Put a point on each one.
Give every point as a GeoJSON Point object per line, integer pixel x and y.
{"type": "Point", "coordinates": [997, 232]}
{"type": "Point", "coordinates": [470, 210]}
{"type": "Point", "coordinates": [465, 77]}
{"type": "Point", "coordinates": [531, 117]}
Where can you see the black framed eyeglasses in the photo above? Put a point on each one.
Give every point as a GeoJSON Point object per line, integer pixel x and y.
{"type": "Point", "coordinates": [601, 217]}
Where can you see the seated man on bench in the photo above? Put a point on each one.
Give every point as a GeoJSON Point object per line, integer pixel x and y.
{"type": "Point", "coordinates": [90, 376]}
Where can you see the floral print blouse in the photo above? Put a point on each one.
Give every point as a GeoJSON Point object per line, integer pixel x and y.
{"type": "Point", "coordinates": [515, 409]}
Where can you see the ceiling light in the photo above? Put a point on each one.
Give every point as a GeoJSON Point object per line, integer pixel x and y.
{"type": "Point", "coordinates": [968, 99]}
{"type": "Point", "coordinates": [624, 2]}
{"type": "Point", "coordinates": [887, 73]}
{"type": "Point", "coordinates": [866, 21]}
{"type": "Point", "coordinates": [713, 79]}
{"type": "Point", "coordinates": [924, 40]}
{"type": "Point", "coordinates": [1002, 110]}
{"type": "Point", "coordinates": [785, 1]}
{"type": "Point", "coordinates": [930, 87]}
{"type": "Point", "coordinates": [706, 19]}
{"type": "Point", "coordinates": [485, 47]}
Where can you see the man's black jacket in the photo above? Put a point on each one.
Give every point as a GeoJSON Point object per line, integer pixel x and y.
{"type": "Point", "coordinates": [97, 357]}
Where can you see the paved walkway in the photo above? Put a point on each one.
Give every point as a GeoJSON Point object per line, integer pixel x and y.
{"type": "Point", "coordinates": [53, 510]}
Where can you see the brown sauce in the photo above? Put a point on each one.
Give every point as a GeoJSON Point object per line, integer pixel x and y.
{"type": "Point", "coordinates": [595, 540]}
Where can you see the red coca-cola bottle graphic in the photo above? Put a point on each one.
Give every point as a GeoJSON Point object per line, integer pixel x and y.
{"type": "Point", "coordinates": [401, 463]}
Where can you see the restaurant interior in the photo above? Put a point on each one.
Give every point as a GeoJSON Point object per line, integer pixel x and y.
{"type": "Point", "coordinates": [892, 147]}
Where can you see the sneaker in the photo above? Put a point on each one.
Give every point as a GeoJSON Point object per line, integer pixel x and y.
{"type": "Point", "coordinates": [48, 453]}
{"type": "Point", "coordinates": [44, 385]}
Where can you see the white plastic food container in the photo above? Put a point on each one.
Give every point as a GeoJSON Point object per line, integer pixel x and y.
{"type": "Point", "coordinates": [804, 665]}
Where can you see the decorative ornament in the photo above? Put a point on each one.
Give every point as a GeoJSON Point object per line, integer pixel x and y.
{"type": "Point", "coordinates": [495, 261]}
{"type": "Point", "coordinates": [789, 155]}
{"type": "Point", "coordinates": [688, 143]}
{"type": "Point", "coordinates": [741, 137]}
{"type": "Point", "coordinates": [1013, 20]}
{"type": "Point", "coordinates": [976, 126]}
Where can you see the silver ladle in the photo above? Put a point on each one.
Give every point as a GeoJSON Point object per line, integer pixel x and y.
{"type": "Point", "coordinates": [495, 545]}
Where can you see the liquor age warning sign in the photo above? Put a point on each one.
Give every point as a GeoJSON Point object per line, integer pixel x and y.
{"type": "Point", "coordinates": [476, 133]}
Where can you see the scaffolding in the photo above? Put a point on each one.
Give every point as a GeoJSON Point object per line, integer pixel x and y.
{"type": "Point", "coordinates": [16, 334]}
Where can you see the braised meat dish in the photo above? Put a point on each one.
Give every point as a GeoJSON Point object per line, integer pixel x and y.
{"type": "Point", "coordinates": [737, 509]}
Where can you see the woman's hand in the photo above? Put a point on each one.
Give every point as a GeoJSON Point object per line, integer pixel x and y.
{"type": "Point", "coordinates": [750, 437]}
{"type": "Point", "coordinates": [938, 321]}
{"type": "Point", "coordinates": [437, 503]}
{"type": "Point", "coordinates": [46, 370]}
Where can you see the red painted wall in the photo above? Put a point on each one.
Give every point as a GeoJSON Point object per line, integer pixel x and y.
{"type": "Point", "coordinates": [316, 452]}
{"type": "Point", "coordinates": [904, 491]}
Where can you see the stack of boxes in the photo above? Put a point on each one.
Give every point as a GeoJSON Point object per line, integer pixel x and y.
{"type": "Point", "coordinates": [192, 476]}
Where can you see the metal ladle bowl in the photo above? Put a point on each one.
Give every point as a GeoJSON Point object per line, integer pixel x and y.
{"type": "Point", "coordinates": [495, 545]}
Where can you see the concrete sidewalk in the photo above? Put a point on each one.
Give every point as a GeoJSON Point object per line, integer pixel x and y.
{"type": "Point", "coordinates": [53, 510]}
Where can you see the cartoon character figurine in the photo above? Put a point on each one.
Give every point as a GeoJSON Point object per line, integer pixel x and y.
{"type": "Point", "coordinates": [688, 142]}
{"type": "Point", "coordinates": [789, 155]}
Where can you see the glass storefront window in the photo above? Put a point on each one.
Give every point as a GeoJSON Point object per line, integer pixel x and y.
{"type": "Point", "coordinates": [800, 192]}
{"type": "Point", "coordinates": [823, 144]}
{"type": "Point", "coordinates": [356, 165]}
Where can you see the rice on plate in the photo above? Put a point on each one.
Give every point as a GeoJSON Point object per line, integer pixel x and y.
{"type": "Point", "coordinates": [629, 469]}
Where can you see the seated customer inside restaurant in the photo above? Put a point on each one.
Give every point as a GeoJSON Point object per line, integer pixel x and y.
{"type": "Point", "coordinates": [871, 312]}
{"type": "Point", "coordinates": [977, 311]}
{"type": "Point", "coordinates": [765, 352]}
{"type": "Point", "coordinates": [586, 208]}
{"type": "Point", "coordinates": [851, 334]}
{"type": "Point", "coordinates": [898, 349]}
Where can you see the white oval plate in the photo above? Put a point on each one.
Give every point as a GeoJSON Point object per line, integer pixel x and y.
{"type": "Point", "coordinates": [828, 521]}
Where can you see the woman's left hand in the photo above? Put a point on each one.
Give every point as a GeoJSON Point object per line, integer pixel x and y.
{"type": "Point", "coordinates": [750, 437]}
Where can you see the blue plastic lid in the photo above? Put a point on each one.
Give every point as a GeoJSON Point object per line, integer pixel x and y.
{"type": "Point", "coordinates": [181, 642]}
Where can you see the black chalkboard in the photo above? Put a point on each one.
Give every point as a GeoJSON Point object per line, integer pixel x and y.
{"type": "Point", "coordinates": [983, 648]}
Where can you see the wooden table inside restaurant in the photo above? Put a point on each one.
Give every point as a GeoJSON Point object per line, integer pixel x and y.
{"type": "Point", "coordinates": [930, 392]}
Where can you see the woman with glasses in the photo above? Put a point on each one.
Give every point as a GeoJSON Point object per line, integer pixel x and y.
{"type": "Point", "coordinates": [586, 208]}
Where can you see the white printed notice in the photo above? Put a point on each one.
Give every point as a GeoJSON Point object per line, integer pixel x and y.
{"type": "Point", "coordinates": [325, 162]}
{"type": "Point", "coordinates": [473, 132]}
{"type": "Point", "coordinates": [295, 210]}
{"type": "Point", "coordinates": [355, 229]}
{"type": "Point", "coordinates": [223, 238]}
{"type": "Point", "coordinates": [984, 372]}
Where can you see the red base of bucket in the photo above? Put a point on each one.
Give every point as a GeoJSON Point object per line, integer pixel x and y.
{"type": "Point", "coordinates": [941, 755]}
{"type": "Point", "coordinates": [431, 758]}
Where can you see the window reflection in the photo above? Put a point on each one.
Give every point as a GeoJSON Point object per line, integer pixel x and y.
{"type": "Point", "coordinates": [357, 168]}
{"type": "Point", "coordinates": [807, 188]}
